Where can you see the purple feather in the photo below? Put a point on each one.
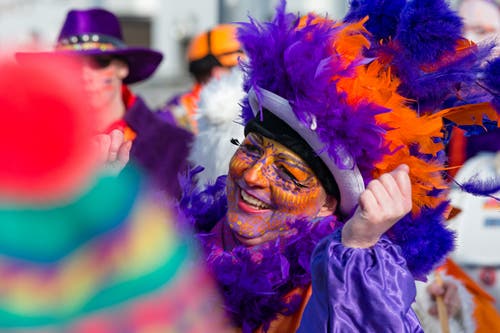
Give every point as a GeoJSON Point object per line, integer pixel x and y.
{"type": "Point", "coordinates": [492, 81]}
{"type": "Point", "coordinates": [201, 209]}
{"type": "Point", "coordinates": [477, 185]}
{"type": "Point", "coordinates": [428, 29]}
{"type": "Point", "coordinates": [451, 84]}
{"type": "Point", "coordinates": [424, 239]}
{"type": "Point", "coordinates": [492, 75]}
{"type": "Point", "coordinates": [383, 16]}
{"type": "Point", "coordinates": [295, 60]}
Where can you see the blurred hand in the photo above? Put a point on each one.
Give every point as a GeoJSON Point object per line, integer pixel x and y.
{"type": "Point", "coordinates": [449, 291]}
{"type": "Point", "coordinates": [384, 202]}
{"type": "Point", "coordinates": [113, 151]}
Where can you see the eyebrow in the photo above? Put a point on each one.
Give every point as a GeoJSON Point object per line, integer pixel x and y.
{"type": "Point", "coordinates": [287, 158]}
{"type": "Point", "coordinates": [295, 162]}
{"type": "Point", "coordinates": [255, 137]}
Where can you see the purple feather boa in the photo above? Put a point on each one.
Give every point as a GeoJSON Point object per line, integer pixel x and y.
{"type": "Point", "coordinates": [427, 29]}
{"type": "Point", "coordinates": [160, 148]}
{"type": "Point", "coordinates": [254, 282]}
{"type": "Point", "coordinates": [384, 16]}
{"type": "Point", "coordinates": [421, 33]}
{"type": "Point", "coordinates": [424, 239]}
{"type": "Point", "coordinates": [492, 81]}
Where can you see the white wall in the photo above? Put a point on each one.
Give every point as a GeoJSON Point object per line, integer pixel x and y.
{"type": "Point", "coordinates": [335, 8]}
{"type": "Point", "coordinates": [20, 18]}
{"type": "Point", "coordinates": [178, 19]}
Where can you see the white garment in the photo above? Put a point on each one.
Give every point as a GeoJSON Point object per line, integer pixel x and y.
{"type": "Point", "coordinates": [478, 224]}
{"type": "Point", "coordinates": [463, 322]}
{"type": "Point", "coordinates": [218, 123]}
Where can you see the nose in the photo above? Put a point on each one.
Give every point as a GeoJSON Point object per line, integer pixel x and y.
{"type": "Point", "coordinates": [255, 175]}
{"type": "Point", "coordinates": [88, 76]}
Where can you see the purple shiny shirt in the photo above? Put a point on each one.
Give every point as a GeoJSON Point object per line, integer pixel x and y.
{"type": "Point", "coordinates": [359, 290]}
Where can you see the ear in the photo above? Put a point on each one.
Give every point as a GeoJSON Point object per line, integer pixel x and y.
{"type": "Point", "coordinates": [122, 69]}
{"type": "Point", "coordinates": [328, 207]}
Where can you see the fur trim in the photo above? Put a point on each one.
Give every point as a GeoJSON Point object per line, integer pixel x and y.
{"type": "Point", "coordinates": [218, 115]}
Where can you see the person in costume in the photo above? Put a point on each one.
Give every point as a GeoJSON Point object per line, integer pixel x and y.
{"type": "Point", "coordinates": [108, 67]}
{"type": "Point", "coordinates": [83, 250]}
{"type": "Point", "coordinates": [332, 110]}
{"type": "Point", "coordinates": [475, 222]}
{"type": "Point", "coordinates": [210, 54]}
{"type": "Point", "coordinates": [212, 149]}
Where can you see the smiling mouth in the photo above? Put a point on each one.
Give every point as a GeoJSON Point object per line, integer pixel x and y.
{"type": "Point", "coordinates": [253, 201]}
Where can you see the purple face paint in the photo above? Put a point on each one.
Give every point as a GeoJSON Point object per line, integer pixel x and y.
{"type": "Point", "coordinates": [269, 185]}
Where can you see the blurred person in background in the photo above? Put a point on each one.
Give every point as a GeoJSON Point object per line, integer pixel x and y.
{"type": "Point", "coordinates": [219, 125]}
{"type": "Point", "coordinates": [108, 67]}
{"type": "Point", "coordinates": [210, 54]}
{"type": "Point", "coordinates": [261, 224]}
{"type": "Point", "coordinates": [481, 25]}
{"type": "Point", "coordinates": [473, 262]}
{"type": "Point", "coordinates": [477, 222]}
{"type": "Point", "coordinates": [82, 249]}
{"type": "Point", "coordinates": [481, 19]}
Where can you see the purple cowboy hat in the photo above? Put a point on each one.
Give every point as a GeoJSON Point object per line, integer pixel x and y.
{"type": "Point", "coordinates": [96, 31]}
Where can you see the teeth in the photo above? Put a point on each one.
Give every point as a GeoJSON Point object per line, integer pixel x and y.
{"type": "Point", "coordinates": [253, 201]}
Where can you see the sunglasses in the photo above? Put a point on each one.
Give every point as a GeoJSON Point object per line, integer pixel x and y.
{"type": "Point", "coordinates": [98, 62]}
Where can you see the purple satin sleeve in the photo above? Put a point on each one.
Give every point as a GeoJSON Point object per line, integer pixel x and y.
{"type": "Point", "coordinates": [359, 290]}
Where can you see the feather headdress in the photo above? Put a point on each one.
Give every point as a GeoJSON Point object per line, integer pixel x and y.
{"type": "Point", "coordinates": [367, 102]}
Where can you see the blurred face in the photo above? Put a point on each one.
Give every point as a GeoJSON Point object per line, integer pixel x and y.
{"type": "Point", "coordinates": [481, 19]}
{"type": "Point", "coordinates": [103, 76]}
{"type": "Point", "coordinates": [267, 186]}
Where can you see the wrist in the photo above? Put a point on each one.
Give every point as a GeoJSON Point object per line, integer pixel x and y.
{"type": "Point", "coordinates": [355, 239]}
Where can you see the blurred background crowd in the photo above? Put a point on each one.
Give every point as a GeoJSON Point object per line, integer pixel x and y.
{"type": "Point", "coordinates": [166, 26]}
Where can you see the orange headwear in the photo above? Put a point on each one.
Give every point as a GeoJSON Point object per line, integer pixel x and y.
{"type": "Point", "coordinates": [219, 42]}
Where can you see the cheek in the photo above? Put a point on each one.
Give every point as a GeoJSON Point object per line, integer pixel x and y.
{"type": "Point", "coordinates": [304, 201]}
{"type": "Point", "coordinates": [109, 79]}
{"type": "Point", "coordinates": [238, 164]}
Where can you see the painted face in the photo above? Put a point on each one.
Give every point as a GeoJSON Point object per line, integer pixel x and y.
{"type": "Point", "coordinates": [267, 186]}
{"type": "Point", "coordinates": [103, 80]}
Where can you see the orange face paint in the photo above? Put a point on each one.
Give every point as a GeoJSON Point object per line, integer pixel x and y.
{"type": "Point", "coordinates": [269, 185]}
